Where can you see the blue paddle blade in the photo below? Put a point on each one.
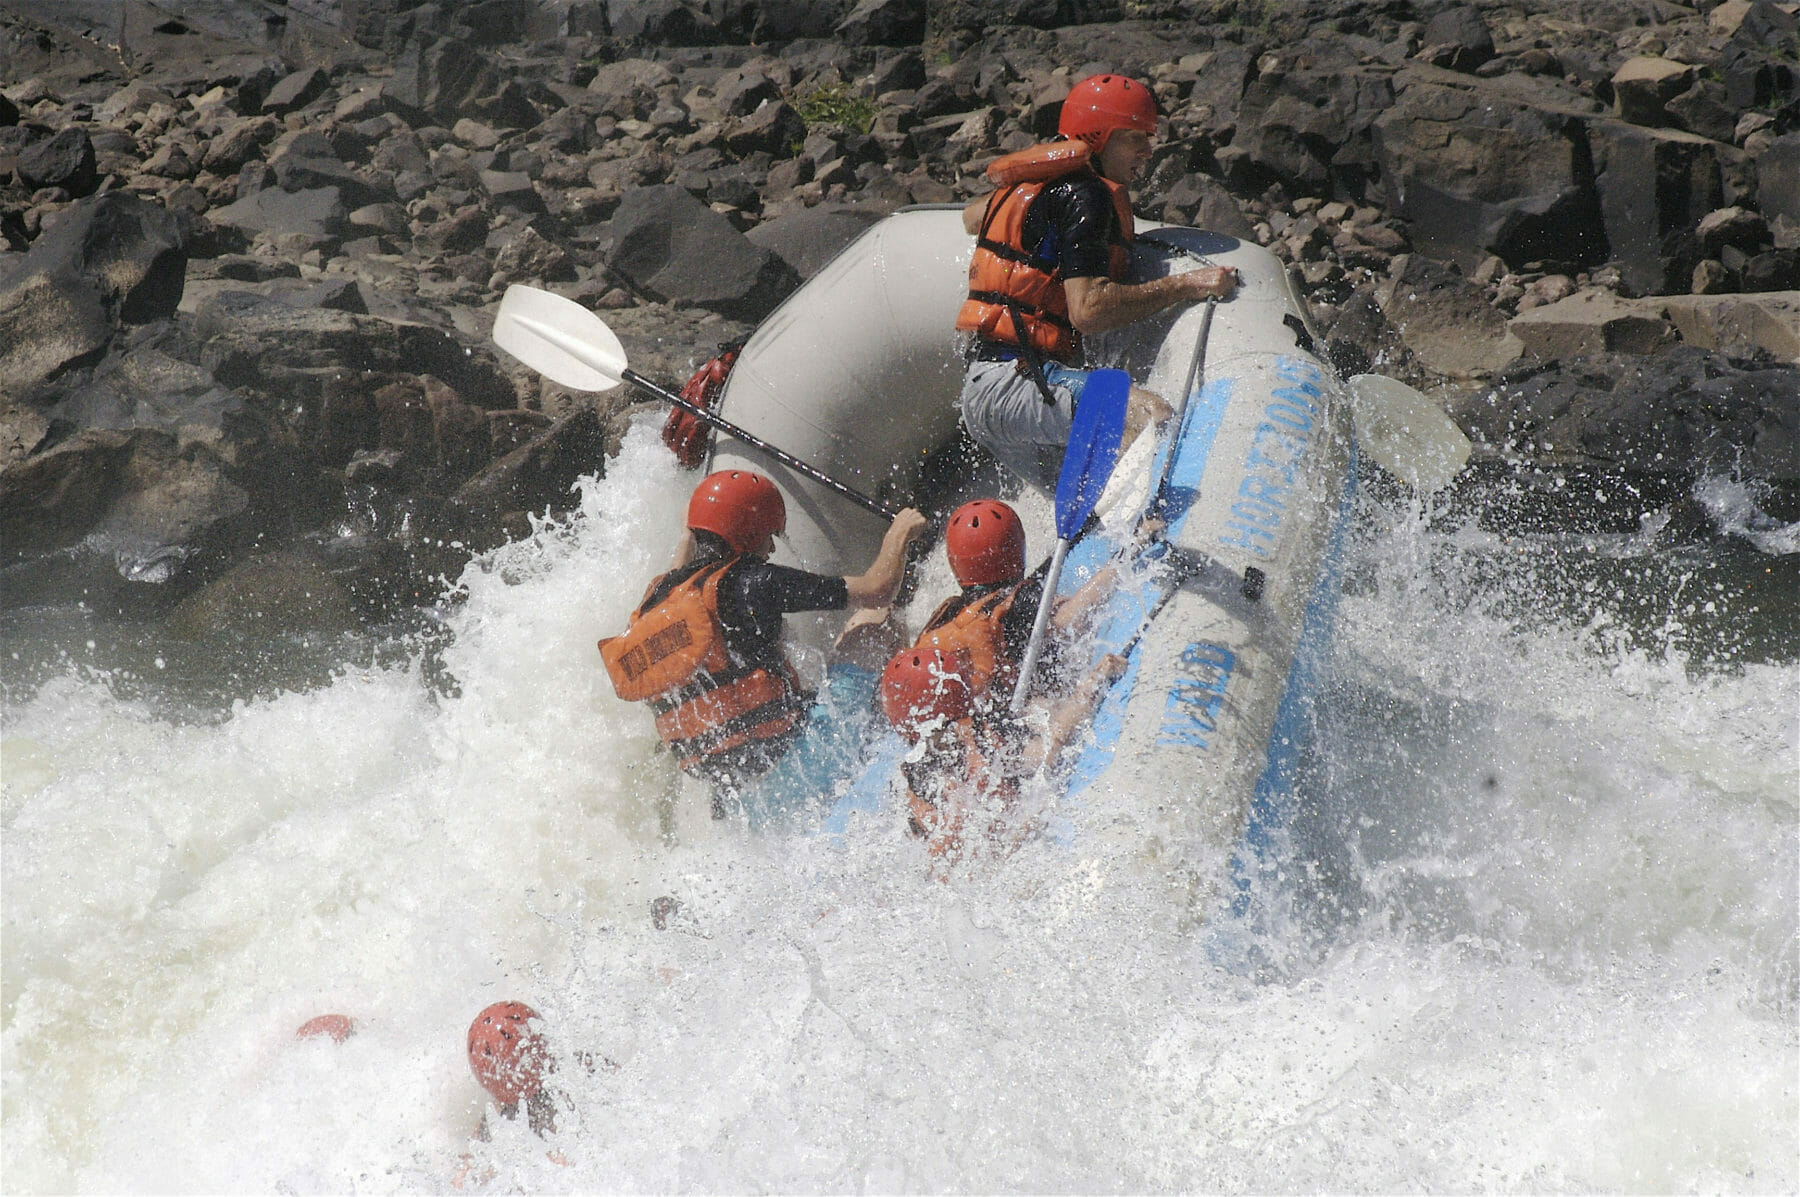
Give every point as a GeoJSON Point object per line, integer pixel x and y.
{"type": "Point", "coordinates": [1093, 448]}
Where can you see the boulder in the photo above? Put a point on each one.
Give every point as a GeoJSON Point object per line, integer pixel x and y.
{"type": "Point", "coordinates": [1457, 39]}
{"type": "Point", "coordinates": [52, 499]}
{"type": "Point", "coordinates": [1478, 172]}
{"type": "Point", "coordinates": [291, 590]}
{"type": "Point", "coordinates": [674, 248]}
{"type": "Point", "coordinates": [1591, 322]}
{"type": "Point", "coordinates": [1742, 325]}
{"type": "Point", "coordinates": [1686, 411]}
{"type": "Point", "coordinates": [541, 473]}
{"type": "Point", "coordinates": [316, 215]}
{"type": "Point", "coordinates": [65, 160]}
{"type": "Point", "coordinates": [884, 23]}
{"type": "Point", "coordinates": [662, 22]}
{"type": "Point", "coordinates": [1654, 184]}
{"type": "Point", "coordinates": [1778, 178]}
{"type": "Point", "coordinates": [296, 91]}
{"type": "Point", "coordinates": [172, 508]}
{"type": "Point", "coordinates": [109, 259]}
{"type": "Point", "coordinates": [1447, 321]}
{"type": "Point", "coordinates": [809, 238]}
{"type": "Point", "coordinates": [1644, 85]}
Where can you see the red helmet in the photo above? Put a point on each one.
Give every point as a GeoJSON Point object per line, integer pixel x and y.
{"type": "Point", "coordinates": [985, 543]}
{"type": "Point", "coordinates": [921, 685]}
{"type": "Point", "coordinates": [505, 1054]}
{"type": "Point", "coordinates": [1100, 104]}
{"type": "Point", "coordinates": [741, 507]}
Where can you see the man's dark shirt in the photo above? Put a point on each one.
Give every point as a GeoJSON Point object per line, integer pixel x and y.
{"type": "Point", "coordinates": [1071, 225]}
{"type": "Point", "coordinates": [753, 597]}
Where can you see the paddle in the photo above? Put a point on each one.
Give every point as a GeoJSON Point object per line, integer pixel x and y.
{"type": "Point", "coordinates": [570, 345]}
{"type": "Point", "coordinates": [1159, 497]}
{"type": "Point", "coordinates": [1087, 464]}
{"type": "Point", "coordinates": [1407, 434]}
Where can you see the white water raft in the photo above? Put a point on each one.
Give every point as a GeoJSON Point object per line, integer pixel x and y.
{"type": "Point", "coordinates": [858, 374]}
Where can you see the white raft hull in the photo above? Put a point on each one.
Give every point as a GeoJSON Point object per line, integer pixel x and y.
{"type": "Point", "coordinates": [857, 373]}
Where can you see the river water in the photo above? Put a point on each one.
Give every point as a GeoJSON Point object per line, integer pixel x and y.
{"type": "Point", "coordinates": [1537, 930]}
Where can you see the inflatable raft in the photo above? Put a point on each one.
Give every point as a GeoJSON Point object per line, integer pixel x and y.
{"type": "Point", "coordinates": [858, 374]}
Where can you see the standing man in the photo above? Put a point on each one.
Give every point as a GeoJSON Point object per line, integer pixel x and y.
{"type": "Point", "coordinates": [704, 646]}
{"type": "Point", "coordinates": [1051, 253]}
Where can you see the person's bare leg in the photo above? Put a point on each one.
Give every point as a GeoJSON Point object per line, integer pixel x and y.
{"type": "Point", "coordinates": [1143, 409]}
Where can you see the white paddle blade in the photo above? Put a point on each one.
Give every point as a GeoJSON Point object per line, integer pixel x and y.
{"type": "Point", "coordinates": [559, 339]}
{"type": "Point", "coordinates": [1407, 434]}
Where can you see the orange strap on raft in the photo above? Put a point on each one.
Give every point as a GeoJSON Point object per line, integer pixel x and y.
{"type": "Point", "coordinates": [685, 433]}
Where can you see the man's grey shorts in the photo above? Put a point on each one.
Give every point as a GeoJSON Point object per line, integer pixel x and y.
{"type": "Point", "coordinates": [1007, 415]}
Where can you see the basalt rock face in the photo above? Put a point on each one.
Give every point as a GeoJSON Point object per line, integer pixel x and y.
{"type": "Point", "coordinates": [251, 252]}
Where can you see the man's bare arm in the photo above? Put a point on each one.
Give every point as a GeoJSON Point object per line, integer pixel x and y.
{"type": "Point", "coordinates": [1099, 304]}
{"type": "Point", "coordinates": [877, 586]}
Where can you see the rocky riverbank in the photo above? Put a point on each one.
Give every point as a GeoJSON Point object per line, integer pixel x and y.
{"type": "Point", "coordinates": [252, 249]}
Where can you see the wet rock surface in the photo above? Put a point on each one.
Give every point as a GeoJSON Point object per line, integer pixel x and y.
{"type": "Point", "coordinates": [249, 253]}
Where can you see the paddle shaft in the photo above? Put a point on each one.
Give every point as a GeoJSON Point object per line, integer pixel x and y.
{"type": "Point", "coordinates": [1035, 645]}
{"type": "Point", "coordinates": [756, 442]}
{"type": "Point", "coordinates": [1160, 497]}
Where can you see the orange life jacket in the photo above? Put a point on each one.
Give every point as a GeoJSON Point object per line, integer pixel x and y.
{"type": "Point", "coordinates": [675, 655]}
{"type": "Point", "coordinates": [1004, 276]}
{"type": "Point", "coordinates": [976, 629]}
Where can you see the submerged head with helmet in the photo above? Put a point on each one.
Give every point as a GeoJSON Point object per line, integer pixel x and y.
{"type": "Point", "coordinates": [1116, 116]}
{"type": "Point", "coordinates": [741, 508]}
{"type": "Point", "coordinates": [925, 688]}
{"type": "Point", "coordinates": [985, 542]}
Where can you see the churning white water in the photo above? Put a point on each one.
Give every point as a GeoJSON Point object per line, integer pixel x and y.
{"type": "Point", "coordinates": [1538, 930]}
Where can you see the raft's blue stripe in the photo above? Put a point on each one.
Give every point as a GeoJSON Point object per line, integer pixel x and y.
{"type": "Point", "coordinates": [1272, 807]}
{"type": "Point", "coordinates": [1124, 611]}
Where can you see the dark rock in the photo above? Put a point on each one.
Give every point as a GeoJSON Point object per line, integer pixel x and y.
{"type": "Point", "coordinates": [740, 93]}
{"type": "Point", "coordinates": [1477, 172]}
{"type": "Point", "coordinates": [1773, 270]}
{"type": "Point", "coordinates": [1653, 185]}
{"type": "Point", "coordinates": [296, 91]}
{"type": "Point", "coordinates": [541, 473]}
{"type": "Point", "coordinates": [774, 128]}
{"type": "Point", "coordinates": [1705, 110]}
{"type": "Point", "coordinates": [1457, 39]}
{"type": "Point", "coordinates": [441, 78]}
{"type": "Point", "coordinates": [884, 23]}
{"type": "Point", "coordinates": [1685, 411]}
{"type": "Point", "coordinates": [317, 215]}
{"type": "Point", "coordinates": [661, 22]}
{"type": "Point", "coordinates": [673, 247]}
{"type": "Point", "coordinates": [65, 160]}
{"type": "Point", "coordinates": [237, 143]}
{"type": "Point", "coordinates": [512, 190]}
{"type": "Point", "coordinates": [1778, 175]}
{"type": "Point", "coordinates": [109, 259]}
{"type": "Point", "coordinates": [172, 508]}
{"type": "Point", "coordinates": [292, 590]}
{"type": "Point", "coordinates": [1446, 320]}
{"type": "Point", "coordinates": [298, 174]}
{"type": "Point", "coordinates": [51, 500]}
{"type": "Point", "coordinates": [811, 237]}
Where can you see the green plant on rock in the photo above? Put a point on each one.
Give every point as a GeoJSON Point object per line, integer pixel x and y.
{"type": "Point", "coordinates": [836, 104]}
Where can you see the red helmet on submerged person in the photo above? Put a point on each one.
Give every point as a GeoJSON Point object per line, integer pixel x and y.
{"type": "Point", "coordinates": [506, 1055]}
{"type": "Point", "coordinates": [985, 543]}
{"type": "Point", "coordinates": [923, 685]}
{"type": "Point", "coordinates": [1100, 105]}
{"type": "Point", "coordinates": [740, 507]}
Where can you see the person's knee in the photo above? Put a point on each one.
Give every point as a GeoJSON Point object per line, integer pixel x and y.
{"type": "Point", "coordinates": [1149, 407]}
